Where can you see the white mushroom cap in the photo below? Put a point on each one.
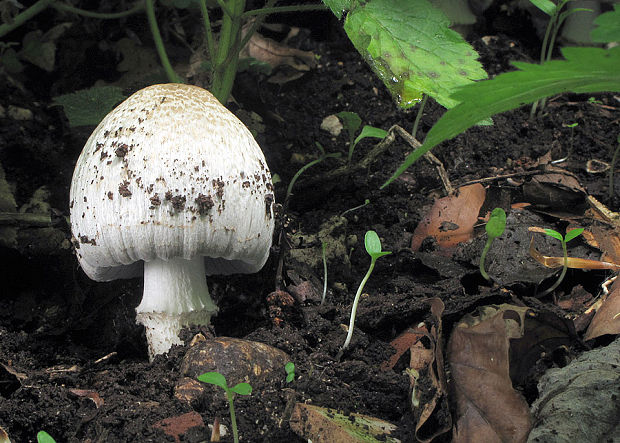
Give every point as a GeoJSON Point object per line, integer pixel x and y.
{"type": "Point", "coordinates": [171, 174]}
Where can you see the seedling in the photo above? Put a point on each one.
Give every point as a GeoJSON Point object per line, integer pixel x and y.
{"type": "Point", "coordinates": [564, 239]}
{"type": "Point", "coordinates": [217, 379]}
{"type": "Point", "coordinates": [366, 202]}
{"type": "Point", "coordinates": [556, 20]}
{"type": "Point", "coordinates": [44, 437]}
{"type": "Point", "coordinates": [323, 248]}
{"type": "Point", "coordinates": [351, 122]}
{"type": "Point", "coordinates": [373, 247]}
{"type": "Point", "coordinates": [494, 227]}
{"type": "Point", "coordinates": [290, 371]}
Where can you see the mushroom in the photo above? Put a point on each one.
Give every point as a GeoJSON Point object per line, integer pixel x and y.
{"type": "Point", "coordinates": [171, 184]}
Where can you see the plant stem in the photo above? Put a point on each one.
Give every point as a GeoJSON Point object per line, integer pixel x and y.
{"type": "Point", "coordinates": [139, 6]}
{"type": "Point", "coordinates": [208, 32]}
{"type": "Point", "coordinates": [323, 247]}
{"type": "Point", "coordinates": [159, 43]}
{"type": "Point", "coordinates": [24, 16]}
{"type": "Point", "coordinates": [418, 116]}
{"type": "Point", "coordinates": [483, 257]}
{"type": "Point", "coordinates": [233, 418]}
{"type": "Point", "coordinates": [355, 303]}
{"type": "Point", "coordinates": [227, 56]}
{"type": "Point", "coordinates": [289, 189]}
{"type": "Point", "coordinates": [280, 9]}
{"type": "Point", "coordinates": [612, 168]}
{"type": "Point", "coordinates": [562, 274]}
{"type": "Point", "coordinates": [255, 24]}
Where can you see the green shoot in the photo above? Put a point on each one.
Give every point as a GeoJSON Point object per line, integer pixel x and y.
{"type": "Point", "coordinates": [563, 239]}
{"type": "Point", "coordinates": [217, 379]}
{"type": "Point", "coordinates": [494, 227]}
{"type": "Point", "coordinates": [610, 194]}
{"type": "Point", "coordinates": [323, 247]}
{"type": "Point", "coordinates": [556, 19]}
{"type": "Point", "coordinates": [373, 247]}
{"type": "Point", "coordinates": [44, 437]}
{"type": "Point", "coordinates": [352, 122]}
{"type": "Point", "coordinates": [290, 371]}
{"type": "Point", "coordinates": [366, 202]}
{"type": "Point", "coordinates": [323, 156]}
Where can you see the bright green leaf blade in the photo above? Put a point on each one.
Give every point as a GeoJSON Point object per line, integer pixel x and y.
{"type": "Point", "coordinates": [572, 234]}
{"type": "Point", "coordinates": [44, 437]}
{"type": "Point", "coordinates": [608, 29]}
{"type": "Point", "coordinates": [87, 107]}
{"type": "Point", "coordinates": [497, 223]}
{"type": "Point", "coordinates": [338, 7]}
{"type": "Point", "coordinates": [242, 389]}
{"type": "Point", "coordinates": [410, 46]}
{"type": "Point", "coordinates": [214, 378]}
{"type": "Point", "coordinates": [554, 234]}
{"type": "Point", "coordinates": [290, 366]}
{"type": "Point", "coordinates": [370, 131]}
{"type": "Point", "coordinates": [351, 121]}
{"type": "Point", "coordinates": [585, 70]}
{"type": "Point", "coordinates": [546, 6]}
{"type": "Point", "coordinates": [290, 377]}
{"type": "Point", "coordinates": [372, 243]}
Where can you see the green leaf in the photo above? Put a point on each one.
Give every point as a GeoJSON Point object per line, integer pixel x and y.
{"type": "Point", "coordinates": [370, 131]}
{"type": "Point", "coordinates": [585, 70]}
{"type": "Point", "coordinates": [339, 7]}
{"type": "Point", "coordinates": [373, 245]}
{"type": "Point", "coordinates": [554, 234]}
{"type": "Point", "coordinates": [290, 377]}
{"type": "Point", "coordinates": [410, 46]}
{"type": "Point", "coordinates": [89, 106]}
{"type": "Point", "coordinates": [546, 6]}
{"type": "Point", "coordinates": [242, 389]}
{"type": "Point", "coordinates": [608, 29]}
{"type": "Point", "coordinates": [214, 378]}
{"type": "Point", "coordinates": [351, 122]}
{"type": "Point", "coordinates": [572, 234]}
{"type": "Point", "coordinates": [44, 437]}
{"type": "Point", "coordinates": [290, 366]}
{"type": "Point", "coordinates": [496, 224]}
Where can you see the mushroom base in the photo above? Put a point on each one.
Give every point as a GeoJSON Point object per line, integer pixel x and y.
{"type": "Point", "coordinates": [175, 295]}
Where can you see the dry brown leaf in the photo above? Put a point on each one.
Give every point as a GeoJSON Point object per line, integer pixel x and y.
{"type": "Point", "coordinates": [607, 318]}
{"type": "Point", "coordinates": [403, 343]}
{"type": "Point", "coordinates": [178, 426]}
{"type": "Point", "coordinates": [277, 55]}
{"type": "Point", "coordinates": [90, 394]}
{"type": "Point", "coordinates": [488, 409]}
{"type": "Point", "coordinates": [571, 262]}
{"type": "Point", "coordinates": [451, 220]}
{"type": "Point", "coordinates": [557, 191]}
{"type": "Point", "coordinates": [324, 425]}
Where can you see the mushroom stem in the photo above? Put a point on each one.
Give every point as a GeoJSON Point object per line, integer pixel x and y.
{"type": "Point", "coordinates": [175, 295]}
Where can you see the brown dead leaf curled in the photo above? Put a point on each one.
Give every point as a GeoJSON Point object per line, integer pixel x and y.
{"type": "Point", "coordinates": [571, 262]}
{"type": "Point", "coordinates": [451, 220]}
{"type": "Point", "coordinates": [487, 406]}
{"type": "Point", "coordinates": [606, 320]}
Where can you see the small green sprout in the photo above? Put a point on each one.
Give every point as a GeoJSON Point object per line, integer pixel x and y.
{"type": "Point", "coordinates": [352, 122]}
{"type": "Point", "coordinates": [290, 371]}
{"type": "Point", "coordinates": [323, 248]}
{"type": "Point", "coordinates": [217, 379]}
{"type": "Point", "coordinates": [494, 227]}
{"type": "Point", "coordinates": [373, 247]}
{"type": "Point", "coordinates": [44, 437]}
{"type": "Point", "coordinates": [366, 203]}
{"type": "Point", "coordinates": [564, 239]}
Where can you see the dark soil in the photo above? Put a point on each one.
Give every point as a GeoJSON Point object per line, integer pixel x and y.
{"type": "Point", "coordinates": [56, 326]}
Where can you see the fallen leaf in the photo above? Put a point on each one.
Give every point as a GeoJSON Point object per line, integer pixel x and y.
{"type": "Point", "coordinates": [178, 426]}
{"type": "Point", "coordinates": [579, 403]}
{"type": "Point", "coordinates": [556, 191]}
{"type": "Point", "coordinates": [451, 220]}
{"type": "Point", "coordinates": [488, 408]}
{"type": "Point", "coordinates": [607, 317]}
{"type": "Point", "coordinates": [325, 425]}
{"type": "Point", "coordinates": [91, 395]}
{"type": "Point", "coordinates": [571, 262]}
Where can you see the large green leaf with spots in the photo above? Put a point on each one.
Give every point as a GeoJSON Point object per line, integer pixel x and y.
{"type": "Point", "coordinates": [585, 70]}
{"type": "Point", "coordinates": [409, 44]}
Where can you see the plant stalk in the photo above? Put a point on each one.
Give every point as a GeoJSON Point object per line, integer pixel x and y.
{"type": "Point", "coordinates": [24, 16]}
{"type": "Point", "coordinates": [355, 303]}
{"type": "Point", "coordinates": [233, 418]}
{"type": "Point", "coordinates": [159, 43]}
{"type": "Point", "coordinates": [139, 6]}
